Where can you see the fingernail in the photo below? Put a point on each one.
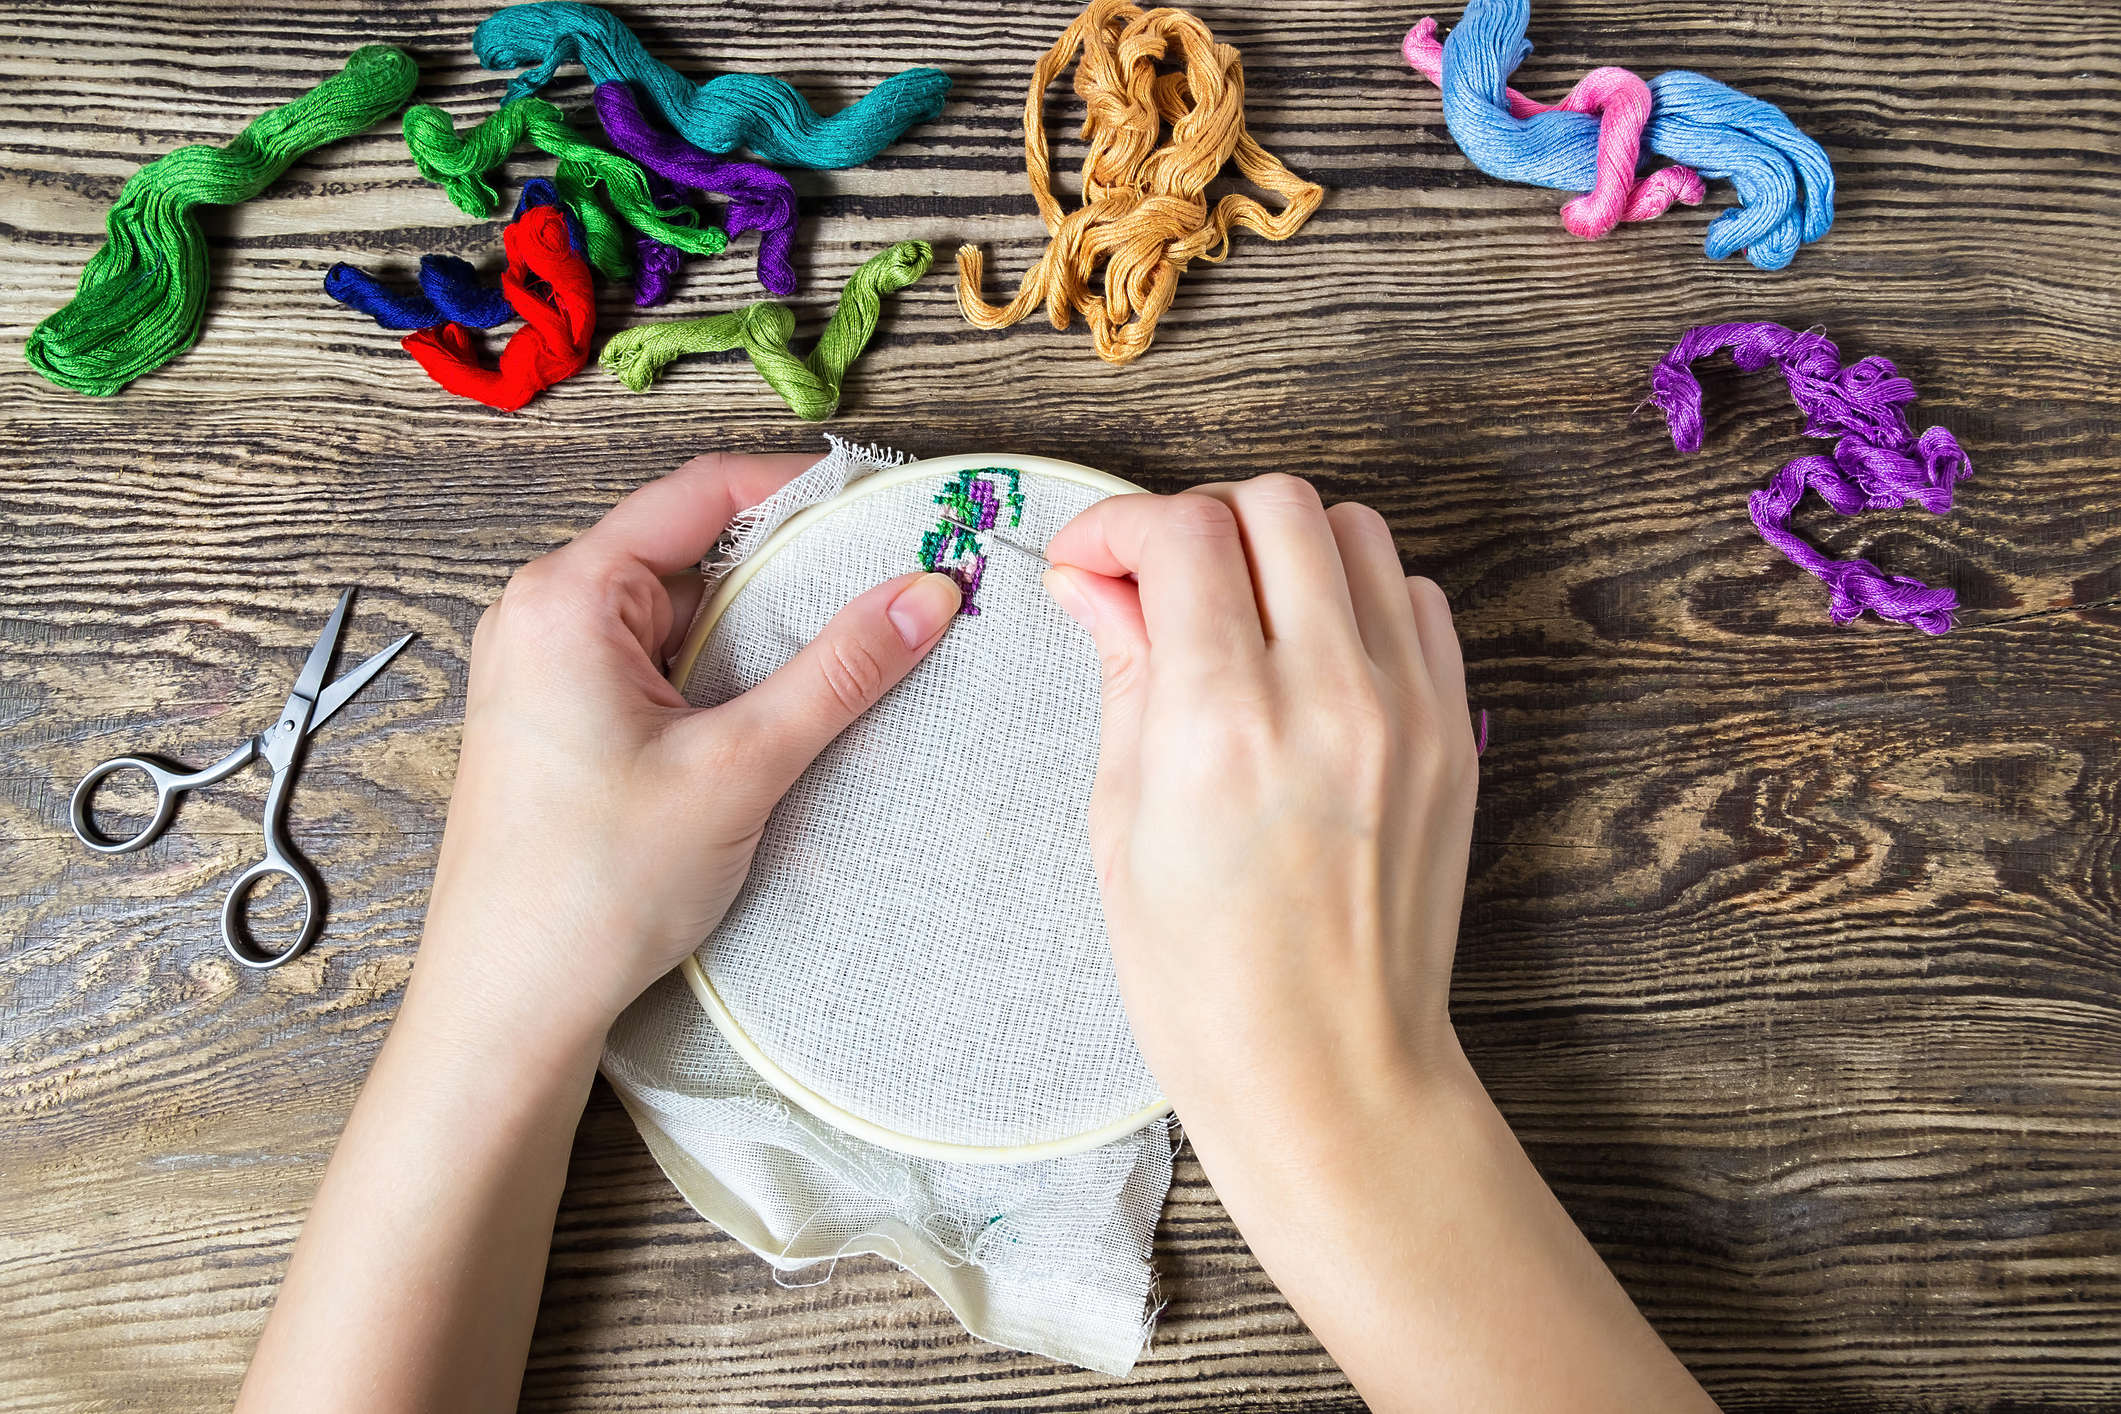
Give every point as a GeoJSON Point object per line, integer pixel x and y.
{"type": "Point", "coordinates": [1062, 589]}
{"type": "Point", "coordinates": [923, 607]}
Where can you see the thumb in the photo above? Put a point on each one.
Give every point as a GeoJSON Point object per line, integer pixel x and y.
{"type": "Point", "coordinates": [855, 659]}
{"type": "Point", "coordinates": [1111, 610]}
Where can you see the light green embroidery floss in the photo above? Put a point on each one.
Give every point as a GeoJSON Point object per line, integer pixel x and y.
{"type": "Point", "coordinates": [588, 178]}
{"type": "Point", "coordinates": [143, 295]}
{"type": "Point", "coordinates": [810, 386]}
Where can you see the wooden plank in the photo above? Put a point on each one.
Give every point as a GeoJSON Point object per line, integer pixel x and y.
{"type": "Point", "coordinates": [1789, 950]}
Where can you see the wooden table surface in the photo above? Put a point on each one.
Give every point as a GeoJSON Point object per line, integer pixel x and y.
{"type": "Point", "coordinates": [1791, 951]}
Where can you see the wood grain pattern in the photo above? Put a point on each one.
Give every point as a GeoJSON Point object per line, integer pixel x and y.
{"type": "Point", "coordinates": [1793, 952]}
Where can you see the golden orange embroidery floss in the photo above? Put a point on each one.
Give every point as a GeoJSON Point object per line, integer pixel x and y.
{"type": "Point", "coordinates": [1144, 217]}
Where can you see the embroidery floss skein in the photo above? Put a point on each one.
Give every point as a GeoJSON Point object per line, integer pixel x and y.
{"type": "Point", "coordinates": [459, 164]}
{"type": "Point", "coordinates": [1622, 102]}
{"type": "Point", "coordinates": [1785, 182]}
{"type": "Point", "coordinates": [760, 199]}
{"type": "Point", "coordinates": [656, 264]}
{"type": "Point", "coordinates": [142, 297]}
{"type": "Point", "coordinates": [557, 324]}
{"type": "Point", "coordinates": [730, 111]}
{"type": "Point", "coordinates": [1878, 463]}
{"type": "Point", "coordinates": [450, 292]}
{"type": "Point", "coordinates": [1144, 217]}
{"type": "Point", "coordinates": [811, 385]}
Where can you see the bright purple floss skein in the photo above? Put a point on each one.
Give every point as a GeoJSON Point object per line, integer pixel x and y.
{"type": "Point", "coordinates": [1878, 463]}
{"type": "Point", "coordinates": [656, 265]}
{"type": "Point", "coordinates": [760, 199]}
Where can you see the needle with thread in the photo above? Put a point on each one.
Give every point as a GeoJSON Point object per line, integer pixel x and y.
{"type": "Point", "coordinates": [999, 539]}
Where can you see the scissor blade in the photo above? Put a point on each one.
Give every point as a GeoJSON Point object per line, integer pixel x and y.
{"type": "Point", "coordinates": [342, 691]}
{"type": "Point", "coordinates": [311, 682]}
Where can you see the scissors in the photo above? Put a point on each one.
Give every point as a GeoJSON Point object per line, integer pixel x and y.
{"type": "Point", "coordinates": [280, 745]}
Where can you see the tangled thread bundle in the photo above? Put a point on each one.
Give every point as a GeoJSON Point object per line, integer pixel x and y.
{"type": "Point", "coordinates": [760, 199]}
{"type": "Point", "coordinates": [1878, 463]}
{"type": "Point", "coordinates": [143, 295]}
{"type": "Point", "coordinates": [450, 292]}
{"type": "Point", "coordinates": [459, 166]}
{"type": "Point", "coordinates": [730, 111]}
{"type": "Point", "coordinates": [1143, 216]}
{"type": "Point", "coordinates": [810, 386]}
{"type": "Point", "coordinates": [1622, 102]}
{"type": "Point", "coordinates": [557, 323]}
{"type": "Point", "coordinates": [1591, 142]}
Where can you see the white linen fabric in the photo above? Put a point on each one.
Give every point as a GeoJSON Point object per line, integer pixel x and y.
{"type": "Point", "coordinates": [920, 943]}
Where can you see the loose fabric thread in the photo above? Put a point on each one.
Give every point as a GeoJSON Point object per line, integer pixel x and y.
{"type": "Point", "coordinates": [1590, 142]}
{"type": "Point", "coordinates": [1878, 463]}
{"type": "Point", "coordinates": [1144, 217]}
{"type": "Point", "coordinates": [730, 111]}
{"type": "Point", "coordinates": [557, 322]}
{"type": "Point", "coordinates": [760, 199]}
{"type": "Point", "coordinates": [142, 297]}
{"type": "Point", "coordinates": [811, 385]}
{"type": "Point", "coordinates": [459, 166]}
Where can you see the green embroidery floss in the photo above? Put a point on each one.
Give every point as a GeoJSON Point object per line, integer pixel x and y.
{"type": "Point", "coordinates": [142, 296]}
{"type": "Point", "coordinates": [588, 177]}
{"type": "Point", "coordinates": [810, 386]}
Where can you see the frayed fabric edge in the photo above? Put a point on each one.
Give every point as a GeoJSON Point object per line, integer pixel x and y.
{"type": "Point", "coordinates": [843, 464]}
{"type": "Point", "coordinates": [950, 1278]}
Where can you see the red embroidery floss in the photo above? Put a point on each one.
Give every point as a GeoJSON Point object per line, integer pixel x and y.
{"type": "Point", "coordinates": [559, 316]}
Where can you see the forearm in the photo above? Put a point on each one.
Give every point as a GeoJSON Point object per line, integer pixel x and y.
{"type": "Point", "coordinates": [415, 1282]}
{"type": "Point", "coordinates": [1410, 1231]}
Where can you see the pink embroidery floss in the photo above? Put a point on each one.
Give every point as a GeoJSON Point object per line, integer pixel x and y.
{"type": "Point", "coordinates": [1878, 463]}
{"type": "Point", "coordinates": [1622, 102]}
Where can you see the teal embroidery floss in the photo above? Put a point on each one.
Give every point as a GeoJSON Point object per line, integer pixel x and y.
{"type": "Point", "coordinates": [723, 113]}
{"type": "Point", "coordinates": [972, 502]}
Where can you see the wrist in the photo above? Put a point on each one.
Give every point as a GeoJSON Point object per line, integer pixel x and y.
{"type": "Point", "coordinates": [499, 998]}
{"type": "Point", "coordinates": [1342, 1127]}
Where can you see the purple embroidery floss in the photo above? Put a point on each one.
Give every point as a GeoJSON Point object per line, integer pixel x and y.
{"type": "Point", "coordinates": [760, 199]}
{"type": "Point", "coordinates": [1878, 463]}
{"type": "Point", "coordinates": [655, 264]}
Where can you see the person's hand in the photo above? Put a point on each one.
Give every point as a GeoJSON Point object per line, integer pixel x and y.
{"type": "Point", "coordinates": [1284, 801]}
{"type": "Point", "coordinates": [600, 826]}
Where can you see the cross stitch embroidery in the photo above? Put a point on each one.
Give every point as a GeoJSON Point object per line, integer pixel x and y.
{"type": "Point", "coordinates": [972, 501]}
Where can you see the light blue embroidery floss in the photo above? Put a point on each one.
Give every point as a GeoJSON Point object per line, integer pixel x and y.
{"type": "Point", "coordinates": [1785, 182]}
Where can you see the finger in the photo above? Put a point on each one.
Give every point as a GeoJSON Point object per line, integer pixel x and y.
{"type": "Point", "coordinates": [1377, 586]}
{"type": "Point", "coordinates": [1188, 561]}
{"type": "Point", "coordinates": [671, 523]}
{"type": "Point", "coordinates": [1440, 652]}
{"type": "Point", "coordinates": [1110, 610]}
{"type": "Point", "coordinates": [1302, 587]}
{"type": "Point", "coordinates": [686, 588]}
{"type": "Point", "coordinates": [865, 650]}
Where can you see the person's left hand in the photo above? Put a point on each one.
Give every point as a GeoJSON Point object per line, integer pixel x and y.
{"type": "Point", "coordinates": [600, 826]}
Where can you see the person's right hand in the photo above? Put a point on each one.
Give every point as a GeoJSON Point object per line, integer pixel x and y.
{"type": "Point", "coordinates": [1283, 810]}
{"type": "Point", "coordinates": [1284, 800]}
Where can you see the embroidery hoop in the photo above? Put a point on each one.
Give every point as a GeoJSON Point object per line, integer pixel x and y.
{"type": "Point", "coordinates": [696, 978]}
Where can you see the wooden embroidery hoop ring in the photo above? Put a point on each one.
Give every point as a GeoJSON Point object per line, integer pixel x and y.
{"type": "Point", "coordinates": [794, 1090]}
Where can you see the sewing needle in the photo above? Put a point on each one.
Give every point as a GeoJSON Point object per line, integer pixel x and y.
{"type": "Point", "coordinates": [1000, 539]}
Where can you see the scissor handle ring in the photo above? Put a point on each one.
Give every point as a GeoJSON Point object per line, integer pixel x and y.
{"type": "Point", "coordinates": [82, 810]}
{"type": "Point", "coordinates": [235, 917]}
